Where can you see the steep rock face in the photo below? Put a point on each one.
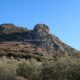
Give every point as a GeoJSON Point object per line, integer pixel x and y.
{"type": "Point", "coordinates": [42, 29]}
{"type": "Point", "coordinates": [39, 38]}
{"type": "Point", "coordinates": [47, 41]}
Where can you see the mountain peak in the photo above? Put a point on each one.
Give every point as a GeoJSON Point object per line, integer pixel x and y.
{"type": "Point", "coordinates": [41, 28]}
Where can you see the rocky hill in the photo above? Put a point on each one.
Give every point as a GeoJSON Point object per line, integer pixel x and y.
{"type": "Point", "coordinates": [38, 43]}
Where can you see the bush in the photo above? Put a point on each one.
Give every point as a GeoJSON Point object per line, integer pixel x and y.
{"type": "Point", "coordinates": [29, 70]}
{"type": "Point", "coordinates": [62, 69]}
{"type": "Point", "coordinates": [73, 72]}
{"type": "Point", "coordinates": [53, 71]}
{"type": "Point", "coordinates": [7, 69]}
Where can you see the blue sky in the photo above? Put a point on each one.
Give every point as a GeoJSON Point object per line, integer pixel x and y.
{"type": "Point", "coordinates": [62, 16]}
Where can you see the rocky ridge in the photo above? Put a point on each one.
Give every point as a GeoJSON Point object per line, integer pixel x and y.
{"type": "Point", "coordinates": [37, 43]}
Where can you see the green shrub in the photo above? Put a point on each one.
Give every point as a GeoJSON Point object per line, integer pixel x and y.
{"type": "Point", "coordinates": [53, 71]}
{"type": "Point", "coordinates": [7, 69]}
{"type": "Point", "coordinates": [62, 69]}
{"type": "Point", "coordinates": [28, 70]}
{"type": "Point", "coordinates": [73, 72]}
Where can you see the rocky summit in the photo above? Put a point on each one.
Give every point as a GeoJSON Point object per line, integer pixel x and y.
{"type": "Point", "coordinates": [38, 43]}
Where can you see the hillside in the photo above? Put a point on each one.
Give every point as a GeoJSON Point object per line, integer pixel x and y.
{"type": "Point", "coordinates": [38, 43]}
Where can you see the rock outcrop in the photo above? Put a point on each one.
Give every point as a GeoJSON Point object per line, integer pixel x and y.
{"type": "Point", "coordinates": [38, 41]}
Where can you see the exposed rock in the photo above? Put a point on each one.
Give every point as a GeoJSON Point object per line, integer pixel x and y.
{"type": "Point", "coordinates": [38, 41]}
{"type": "Point", "coordinates": [20, 78]}
{"type": "Point", "coordinates": [41, 27]}
{"type": "Point", "coordinates": [10, 28]}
